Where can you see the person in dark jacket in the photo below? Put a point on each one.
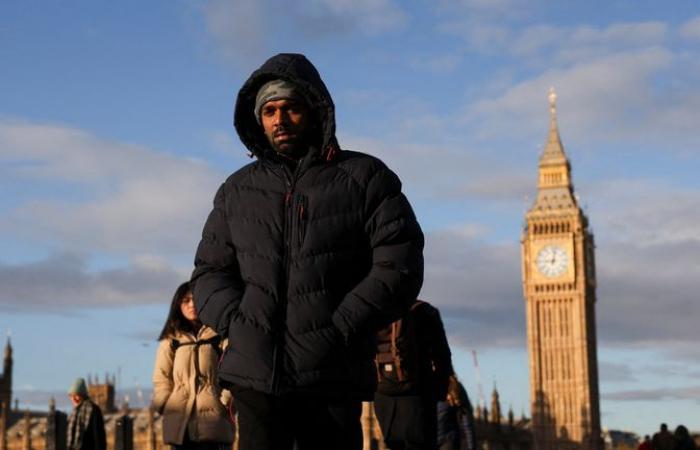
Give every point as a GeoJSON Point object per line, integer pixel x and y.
{"type": "Point", "coordinates": [86, 428]}
{"type": "Point", "coordinates": [663, 439]}
{"type": "Point", "coordinates": [682, 439]}
{"type": "Point", "coordinates": [456, 429]}
{"type": "Point", "coordinates": [308, 251]}
{"type": "Point", "coordinates": [406, 405]}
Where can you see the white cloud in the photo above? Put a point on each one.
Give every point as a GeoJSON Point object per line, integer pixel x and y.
{"type": "Point", "coordinates": [532, 40]}
{"type": "Point", "coordinates": [657, 394]}
{"type": "Point", "coordinates": [608, 97]}
{"type": "Point", "coordinates": [444, 170]}
{"type": "Point", "coordinates": [239, 29]}
{"type": "Point", "coordinates": [612, 372]}
{"type": "Point", "coordinates": [607, 78]}
{"type": "Point", "coordinates": [502, 10]}
{"type": "Point", "coordinates": [648, 271]}
{"type": "Point", "coordinates": [63, 283]}
{"type": "Point", "coordinates": [647, 212]}
{"type": "Point", "coordinates": [125, 199]}
{"type": "Point", "coordinates": [505, 184]}
{"type": "Point", "coordinates": [543, 44]}
{"type": "Point", "coordinates": [691, 29]}
{"type": "Point", "coordinates": [242, 31]}
{"type": "Point", "coordinates": [477, 287]}
{"type": "Point", "coordinates": [638, 34]}
{"type": "Point", "coordinates": [367, 16]}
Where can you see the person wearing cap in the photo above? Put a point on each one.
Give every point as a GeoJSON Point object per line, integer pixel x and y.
{"type": "Point", "coordinates": [86, 429]}
{"type": "Point", "coordinates": [308, 251]}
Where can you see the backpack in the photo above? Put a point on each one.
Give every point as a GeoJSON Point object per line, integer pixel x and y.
{"type": "Point", "coordinates": [400, 364]}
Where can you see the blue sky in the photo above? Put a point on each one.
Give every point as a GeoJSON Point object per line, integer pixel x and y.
{"type": "Point", "coordinates": [115, 131]}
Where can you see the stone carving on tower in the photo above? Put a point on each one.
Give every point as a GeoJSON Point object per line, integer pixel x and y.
{"type": "Point", "coordinates": [559, 288]}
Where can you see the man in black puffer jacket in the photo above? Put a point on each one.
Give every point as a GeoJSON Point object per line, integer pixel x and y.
{"type": "Point", "coordinates": [308, 251]}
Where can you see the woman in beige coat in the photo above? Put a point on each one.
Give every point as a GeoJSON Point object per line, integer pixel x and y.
{"type": "Point", "coordinates": [185, 390]}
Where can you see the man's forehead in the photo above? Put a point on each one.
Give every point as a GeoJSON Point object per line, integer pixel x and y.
{"type": "Point", "coordinates": [284, 102]}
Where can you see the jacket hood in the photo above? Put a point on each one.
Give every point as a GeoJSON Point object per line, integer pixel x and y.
{"type": "Point", "coordinates": [296, 69]}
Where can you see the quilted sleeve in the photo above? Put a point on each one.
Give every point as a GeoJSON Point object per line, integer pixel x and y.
{"type": "Point", "coordinates": [218, 287]}
{"type": "Point", "coordinates": [396, 276]}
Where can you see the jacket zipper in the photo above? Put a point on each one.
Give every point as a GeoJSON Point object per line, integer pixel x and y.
{"type": "Point", "coordinates": [278, 353]}
{"type": "Point", "coordinates": [301, 222]}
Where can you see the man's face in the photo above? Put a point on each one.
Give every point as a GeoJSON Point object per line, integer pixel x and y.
{"type": "Point", "coordinates": [75, 399]}
{"type": "Point", "coordinates": [286, 123]}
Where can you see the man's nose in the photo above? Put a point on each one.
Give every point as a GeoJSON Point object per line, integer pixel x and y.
{"type": "Point", "coordinates": [280, 117]}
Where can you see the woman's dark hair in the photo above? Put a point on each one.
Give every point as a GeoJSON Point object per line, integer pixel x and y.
{"type": "Point", "coordinates": [176, 321]}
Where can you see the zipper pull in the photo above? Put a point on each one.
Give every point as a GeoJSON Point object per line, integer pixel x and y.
{"type": "Point", "coordinates": [301, 212]}
{"type": "Point", "coordinates": [287, 197]}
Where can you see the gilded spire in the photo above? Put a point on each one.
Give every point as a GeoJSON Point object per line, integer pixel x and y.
{"type": "Point", "coordinates": [555, 190]}
{"type": "Point", "coordinates": [553, 150]}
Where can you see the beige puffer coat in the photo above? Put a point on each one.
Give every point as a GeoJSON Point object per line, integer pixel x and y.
{"type": "Point", "coordinates": [187, 402]}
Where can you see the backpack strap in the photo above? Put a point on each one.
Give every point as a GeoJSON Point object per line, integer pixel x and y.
{"type": "Point", "coordinates": [395, 329]}
{"type": "Point", "coordinates": [175, 344]}
{"type": "Point", "coordinates": [213, 341]}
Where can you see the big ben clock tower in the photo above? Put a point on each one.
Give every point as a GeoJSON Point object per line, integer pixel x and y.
{"type": "Point", "coordinates": [559, 288]}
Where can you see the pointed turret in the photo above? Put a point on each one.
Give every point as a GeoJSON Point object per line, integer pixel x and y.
{"type": "Point", "coordinates": [555, 189]}
{"type": "Point", "coordinates": [495, 407]}
{"type": "Point", "coordinates": [553, 153]}
{"type": "Point", "coordinates": [6, 375]}
{"type": "Point", "coordinates": [511, 417]}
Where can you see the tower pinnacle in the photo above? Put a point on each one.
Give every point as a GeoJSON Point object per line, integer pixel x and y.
{"type": "Point", "coordinates": [8, 349]}
{"type": "Point", "coordinates": [495, 406]}
{"type": "Point", "coordinates": [555, 189]}
{"type": "Point", "coordinates": [552, 102]}
{"type": "Point", "coordinates": [553, 153]}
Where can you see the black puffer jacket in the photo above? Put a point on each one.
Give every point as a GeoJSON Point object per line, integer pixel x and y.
{"type": "Point", "coordinates": [299, 268]}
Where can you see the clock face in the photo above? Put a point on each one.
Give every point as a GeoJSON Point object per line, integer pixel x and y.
{"type": "Point", "coordinates": [552, 261]}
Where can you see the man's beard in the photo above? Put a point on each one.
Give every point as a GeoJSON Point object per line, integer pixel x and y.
{"type": "Point", "coordinates": [295, 145]}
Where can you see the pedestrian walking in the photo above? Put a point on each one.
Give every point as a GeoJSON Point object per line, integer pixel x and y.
{"type": "Point", "coordinates": [413, 366]}
{"type": "Point", "coordinates": [663, 439]}
{"type": "Point", "coordinates": [185, 388]}
{"type": "Point", "coordinates": [86, 428]}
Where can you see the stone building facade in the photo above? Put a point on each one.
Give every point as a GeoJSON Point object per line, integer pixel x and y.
{"type": "Point", "coordinates": [559, 287]}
